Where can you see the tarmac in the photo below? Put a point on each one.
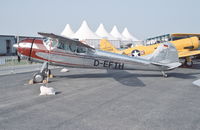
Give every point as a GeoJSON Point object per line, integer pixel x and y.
{"type": "Point", "coordinates": [90, 99]}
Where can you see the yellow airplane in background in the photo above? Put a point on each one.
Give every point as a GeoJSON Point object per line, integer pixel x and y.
{"type": "Point", "coordinates": [187, 46]}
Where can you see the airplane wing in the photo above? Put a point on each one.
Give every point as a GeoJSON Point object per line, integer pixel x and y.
{"type": "Point", "coordinates": [188, 53]}
{"type": "Point", "coordinates": [51, 35]}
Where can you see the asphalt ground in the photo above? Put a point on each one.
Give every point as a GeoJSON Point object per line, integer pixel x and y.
{"type": "Point", "coordinates": [11, 69]}
{"type": "Point", "coordinates": [90, 99]}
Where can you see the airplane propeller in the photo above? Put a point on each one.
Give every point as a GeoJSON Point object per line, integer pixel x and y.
{"type": "Point", "coordinates": [18, 56]}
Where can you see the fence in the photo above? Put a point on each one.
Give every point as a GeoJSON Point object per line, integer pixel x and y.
{"type": "Point", "coordinates": [10, 65]}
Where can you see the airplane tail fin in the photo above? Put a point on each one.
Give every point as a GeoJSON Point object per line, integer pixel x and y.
{"type": "Point", "coordinates": [105, 45]}
{"type": "Point", "coordinates": [165, 55]}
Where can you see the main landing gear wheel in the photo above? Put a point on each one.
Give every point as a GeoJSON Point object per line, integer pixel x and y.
{"type": "Point", "coordinates": [43, 75]}
{"type": "Point", "coordinates": [38, 78]}
{"type": "Point", "coordinates": [188, 64]}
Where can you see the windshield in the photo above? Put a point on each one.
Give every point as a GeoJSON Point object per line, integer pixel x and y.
{"type": "Point", "coordinates": [49, 42]}
{"type": "Point", "coordinates": [71, 47]}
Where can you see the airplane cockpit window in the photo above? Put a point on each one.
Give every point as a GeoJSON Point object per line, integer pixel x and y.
{"type": "Point", "coordinates": [50, 43]}
{"type": "Point", "coordinates": [45, 40]}
{"type": "Point", "coordinates": [81, 49]}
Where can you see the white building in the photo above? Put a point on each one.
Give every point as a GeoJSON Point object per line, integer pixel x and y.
{"type": "Point", "coordinates": [67, 32]}
{"type": "Point", "coordinates": [130, 39]}
{"type": "Point", "coordinates": [115, 33]}
{"type": "Point", "coordinates": [6, 44]}
{"type": "Point", "coordinates": [128, 36]}
{"type": "Point", "coordinates": [87, 36]}
{"type": "Point", "coordinates": [84, 32]}
{"type": "Point", "coordinates": [101, 31]}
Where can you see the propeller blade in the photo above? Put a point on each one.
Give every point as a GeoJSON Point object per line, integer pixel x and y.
{"type": "Point", "coordinates": [18, 58]}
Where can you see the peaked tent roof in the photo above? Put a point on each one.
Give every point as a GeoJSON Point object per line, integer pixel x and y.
{"type": "Point", "coordinates": [67, 32]}
{"type": "Point", "coordinates": [84, 32]}
{"type": "Point", "coordinates": [116, 34]}
{"type": "Point", "coordinates": [101, 31]}
{"type": "Point", "coordinates": [128, 36]}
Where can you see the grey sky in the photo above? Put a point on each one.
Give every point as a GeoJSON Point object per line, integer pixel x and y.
{"type": "Point", "coordinates": [143, 18]}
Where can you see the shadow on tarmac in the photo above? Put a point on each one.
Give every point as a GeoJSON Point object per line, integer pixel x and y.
{"type": "Point", "coordinates": [123, 77]}
{"type": "Point", "coordinates": [130, 79]}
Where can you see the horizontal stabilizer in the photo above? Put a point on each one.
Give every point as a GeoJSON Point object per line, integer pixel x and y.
{"type": "Point", "coordinates": [173, 65]}
{"type": "Point", "coordinates": [170, 65]}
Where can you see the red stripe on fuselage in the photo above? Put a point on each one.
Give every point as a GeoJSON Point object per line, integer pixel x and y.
{"type": "Point", "coordinates": [30, 40]}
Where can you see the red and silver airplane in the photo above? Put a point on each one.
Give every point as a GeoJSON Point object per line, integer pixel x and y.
{"type": "Point", "coordinates": [61, 51]}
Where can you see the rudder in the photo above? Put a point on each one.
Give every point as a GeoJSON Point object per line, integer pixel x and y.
{"type": "Point", "coordinates": [167, 55]}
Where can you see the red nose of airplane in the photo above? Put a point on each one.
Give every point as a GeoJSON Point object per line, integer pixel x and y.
{"type": "Point", "coordinates": [24, 47]}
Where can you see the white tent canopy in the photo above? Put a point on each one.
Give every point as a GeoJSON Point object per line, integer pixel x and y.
{"type": "Point", "coordinates": [84, 32]}
{"type": "Point", "coordinates": [128, 36]}
{"type": "Point", "coordinates": [67, 32]}
{"type": "Point", "coordinates": [116, 34]}
{"type": "Point", "coordinates": [101, 31]}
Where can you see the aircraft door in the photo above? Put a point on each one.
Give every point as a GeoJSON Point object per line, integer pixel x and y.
{"type": "Point", "coordinates": [81, 52]}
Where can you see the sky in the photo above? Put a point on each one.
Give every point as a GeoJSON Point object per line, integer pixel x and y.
{"type": "Point", "coordinates": [143, 18]}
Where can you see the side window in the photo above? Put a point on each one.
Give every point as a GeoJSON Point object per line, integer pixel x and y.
{"type": "Point", "coordinates": [72, 47]}
{"type": "Point", "coordinates": [61, 45]}
{"type": "Point", "coordinates": [90, 51]}
{"type": "Point", "coordinates": [81, 49]}
{"type": "Point", "coordinates": [66, 47]}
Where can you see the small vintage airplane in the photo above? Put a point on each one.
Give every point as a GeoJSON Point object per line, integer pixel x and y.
{"type": "Point", "coordinates": [186, 44]}
{"type": "Point", "coordinates": [61, 51]}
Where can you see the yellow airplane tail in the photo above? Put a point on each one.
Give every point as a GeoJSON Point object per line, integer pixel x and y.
{"type": "Point", "coordinates": [105, 45]}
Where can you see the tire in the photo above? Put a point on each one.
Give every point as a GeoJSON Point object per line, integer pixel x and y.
{"type": "Point", "coordinates": [38, 78]}
{"type": "Point", "coordinates": [189, 64]}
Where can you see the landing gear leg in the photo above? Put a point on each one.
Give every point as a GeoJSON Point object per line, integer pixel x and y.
{"type": "Point", "coordinates": [39, 77]}
{"type": "Point", "coordinates": [164, 74]}
{"type": "Point", "coordinates": [188, 62]}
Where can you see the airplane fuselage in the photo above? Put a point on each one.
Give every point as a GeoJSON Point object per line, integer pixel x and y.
{"type": "Point", "coordinates": [40, 51]}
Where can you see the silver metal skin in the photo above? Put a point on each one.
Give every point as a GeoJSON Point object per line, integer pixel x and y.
{"type": "Point", "coordinates": [70, 53]}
